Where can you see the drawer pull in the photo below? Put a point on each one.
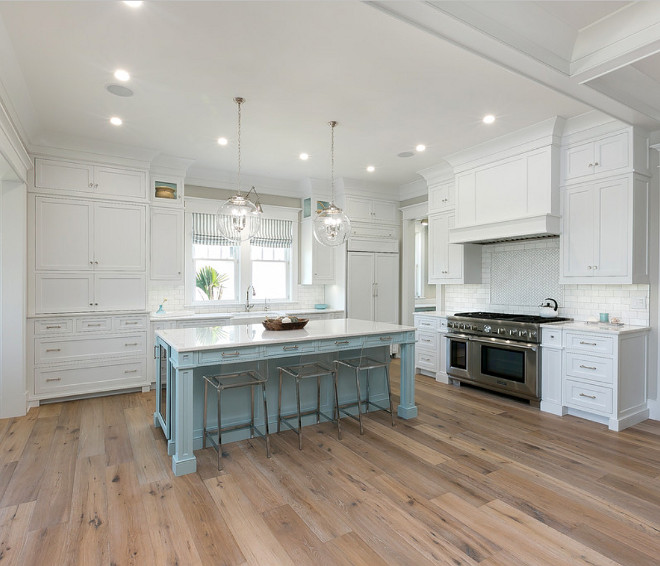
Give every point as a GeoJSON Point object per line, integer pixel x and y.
{"type": "Point", "coordinates": [386, 338]}
{"type": "Point", "coordinates": [95, 324]}
{"type": "Point", "coordinates": [585, 395]}
{"type": "Point", "coordinates": [588, 343]}
{"type": "Point", "coordinates": [53, 350]}
{"type": "Point", "coordinates": [288, 348]}
{"type": "Point", "coordinates": [130, 371]}
{"type": "Point", "coordinates": [53, 379]}
{"type": "Point", "coordinates": [230, 354]}
{"type": "Point", "coordinates": [134, 322]}
{"type": "Point", "coordinates": [131, 344]}
{"type": "Point", "coordinates": [587, 367]}
{"type": "Point", "coordinates": [53, 326]}
{"type": "Point", "coordinates": [338, 342]}
{"type": "Point", "coordinates": [426, 340]}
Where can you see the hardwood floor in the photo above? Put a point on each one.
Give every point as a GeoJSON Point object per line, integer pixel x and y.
{"type": "Point", "coordinates": [475, 479]}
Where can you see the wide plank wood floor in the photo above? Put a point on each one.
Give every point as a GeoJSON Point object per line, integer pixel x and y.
{"type": "Point", "coordinates": [475, 479]}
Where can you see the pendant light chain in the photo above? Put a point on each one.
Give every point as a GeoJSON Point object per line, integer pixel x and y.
{"type": "Point", "coordinates": [332, 158]}
{"type": "Point", "coordinates": [238, 100]}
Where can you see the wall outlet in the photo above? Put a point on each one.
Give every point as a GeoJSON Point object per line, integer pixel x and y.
{"type": "Point", "coordinates": [638, 303]}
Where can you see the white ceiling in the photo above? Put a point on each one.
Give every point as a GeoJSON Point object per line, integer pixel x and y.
{"type": "Point", "coordinates": [388, 83]}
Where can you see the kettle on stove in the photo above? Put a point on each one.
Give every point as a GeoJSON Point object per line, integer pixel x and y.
{"type": "Point", "coordinates": [547, 310]}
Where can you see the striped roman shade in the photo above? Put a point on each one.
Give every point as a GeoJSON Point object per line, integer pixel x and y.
{"type": "Point", "coordinates": [273, 233]}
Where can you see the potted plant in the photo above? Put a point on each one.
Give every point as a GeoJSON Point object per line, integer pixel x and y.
{"type": "Point", "coordinates": [209, 280]}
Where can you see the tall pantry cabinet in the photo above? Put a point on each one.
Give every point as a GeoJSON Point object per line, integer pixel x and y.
{"type": "Point", "coordinates": [87, 278]}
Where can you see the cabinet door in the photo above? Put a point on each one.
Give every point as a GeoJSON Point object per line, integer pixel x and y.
{"type": "Point", "coordinates": [613, 233]}
{"type": "Point", "coordinates": [63, 292]}
{"type": "Point", "coordinates": [323, 263]}
{"type": "Point", "coordinates": [384, 211]}
{"type": "Point", "coordinates": [386, 279]}
{"type": "Point", "coordinates": [119, 237]}
{"type": "Point", "coordinates": [578, 232]}
{"type": "Point", "coordinates": [579, 160]}
{"type": "Point", "coordinates": [166, 244]}
{"type": "Point", "coordinates": [62, 234]}
{"type": "Point", "coordinates": [360, 289]}
{"type": "Point", "coordinates": [441, 197]}
{"type": "Point", "coordinates": [115, 291]}
{"type": "Point", "coordinates": [63, 176]}
{"type": "Point", "coordinates": [438, 244]}
{"type": "Point", "coordinates": [358, 209]}
{"type": "Point", "coordinates": [612, 153]}
{"type": "Point", "coordinates": [126, 183]}
{"type": "Point", "coordinates": [454, 255]}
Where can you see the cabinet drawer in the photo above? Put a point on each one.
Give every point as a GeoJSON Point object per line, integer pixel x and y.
{"type": "Point", "coordinates": [550, 337]}
{"type": "Point", "coordinates": [234, 355]}
{"type": "Point", "coordinates": [590, 367]}
{"type": "Point", "coordinates": [426, 339]}
{"type": "Point", "coordinates": [426, 360]}
{"type": "Point", "coordinates": [52, 350]}
{"type": "Point", "coordinates": [74, 381]}
{"type": "Point", "coordinates": [54, 326]}
{"type": "Point", "coordinates": [341, 344]}
{"type": "Point", "coordinates": [586, 342]}
{"type": "Point", "coordinates": [94, 324]}
{"type": "Point", "coordinates": [426, 322]}
{"type": "Point", "coordinates": [586, 396]}
{"type": "Point", "coordinates": [130, 323]}
{"type": "Point", "coordinates": [277, 350]}
{"type": "Point", "coordinates": [384, 340]}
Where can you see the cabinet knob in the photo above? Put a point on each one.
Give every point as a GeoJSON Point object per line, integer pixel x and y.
{"type": "Point", "coordinates": [588, 267]}
{"type": "Point", "coordinates": [96, 185]}
{"type": "Point", "coordinates": [96, 304]}
{"type": "Point", "coordinates": [91, 304]}
{"type": "Point", "coordinates": [91, 185]}
{"type": "Point", "coordinates": [591, 165]}
{"type": "Point", "coordinates": [596, 164]}
{"type": "Point", "coordinates": [595, 267]}
{"type": "Point", "coordinates": [91, 263]}
{"type": "Point", "coordinates": [96, 263]}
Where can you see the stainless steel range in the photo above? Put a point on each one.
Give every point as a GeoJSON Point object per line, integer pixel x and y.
{"type": "Point", "coordinates": [497, 351]}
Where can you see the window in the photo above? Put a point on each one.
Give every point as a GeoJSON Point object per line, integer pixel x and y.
{"type": "Point", "coordinates": [220, 271]}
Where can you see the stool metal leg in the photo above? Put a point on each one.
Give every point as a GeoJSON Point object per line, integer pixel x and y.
{"type": "Point", "coordinates": [368, 380]}
{"type": "Point", "coordinates": [318, 399]}
{"type": "Point", "coordinates": [206, 395]}
{"type": "Point", "coordinates": [252, 411]}
{"type": "Point", "coordinates": [279, 404]}
{"type": "Point", "coordinates": [263, 390]}
{"type": "Point", "coordinates": [334, 375]}
{"type": "Point", "coordinates": [389, 392]}
{"type": "Point", "coordinates": [359, 398]}
{"type": "Point", "coordinates": [299, 415]}
{"type": "Point", "coordinates": [219, 433]}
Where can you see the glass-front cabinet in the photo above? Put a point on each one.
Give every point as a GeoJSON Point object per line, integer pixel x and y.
{"type": "Point", "coordinates": [164, 388]}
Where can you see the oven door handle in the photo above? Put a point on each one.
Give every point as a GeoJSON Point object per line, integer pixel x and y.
{"type": "Point", "coordinates": [511, 343]}
{"type": "Point", "coordinates": [459, 336]}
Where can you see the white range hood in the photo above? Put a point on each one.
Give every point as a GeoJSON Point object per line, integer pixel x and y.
{"type": "Point", "coordinates": [508, 188]}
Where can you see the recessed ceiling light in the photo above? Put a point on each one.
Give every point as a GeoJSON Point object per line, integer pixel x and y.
{"type": "Point", "coordinates": [133, 3]}
{"type": "Point", "coordinates": [222, 141]}
{"type": "Point", "coordinates": [420, 147]}
{"type": "Point", "coordinates": [371, 168]}
{"type": "Point", "coordinates": [405, 154]}
{"type": "Point", "coordinates": [119, 90]}
{"type": "Point", "coordinates": [116, 121]}
{"type": "Point", "coordinates": [488, 119]}
{"type": "Point", "coordinates": [122, 75]}
{"type": "Point", "coordinates": [304, 156]}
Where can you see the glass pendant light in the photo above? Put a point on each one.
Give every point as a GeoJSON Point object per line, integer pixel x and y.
{"type": "Point", "coordinates": [331, 225]}
{"type": "Point", "coordinates": [239, 219]}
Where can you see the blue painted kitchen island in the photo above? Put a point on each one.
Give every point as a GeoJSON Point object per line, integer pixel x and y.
{"type": "Point", "coordinates": [185, 355]}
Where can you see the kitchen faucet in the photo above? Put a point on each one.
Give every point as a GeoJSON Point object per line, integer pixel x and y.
{"type": "Point", "coordinates": [248, 306]}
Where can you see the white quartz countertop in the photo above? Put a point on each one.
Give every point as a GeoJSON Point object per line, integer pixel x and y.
{"type": "Point", "coordinates": [596, 327]}
{"type": "Point", "coordinates": [186, 315]}
{"type": "Point", "coordinates": [215, 337]}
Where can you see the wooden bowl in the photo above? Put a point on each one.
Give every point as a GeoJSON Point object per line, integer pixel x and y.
{"type": "Point", "coordinates": [276, 324]}
{"type": "Point", "coordinates": [165, 192]}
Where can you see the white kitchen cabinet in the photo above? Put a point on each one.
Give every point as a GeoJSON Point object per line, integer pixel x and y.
{"type": "Point", "coordinates": [373, 286]}
{"type": "Point", "coordinates": [373, 211]}
{"type": "Point", "coordinates": [84, 235]}
{"type": "Point", "coordinates": [80, 355]}
{"type": "Point", "coordinates": [441, 197]}
{"type": "Point", "coordinates": [450, 263]}
{"type": "Point", "coordinates": [166, 252]}
{"type": "Point", "coordinates": [551, 371]}
{"type": "Point", "coordinates": [166, 190]}
{"type": "Point", "coordinates": [605, 155]}
{"type": "Point", "coordinates": [605, 231]}
{"type": "Point", "coordinates": [317, 262]}
{"type": "Point", "coordinates": [85, 292]}
{"type": "Point", "coordinates": [96, 180]}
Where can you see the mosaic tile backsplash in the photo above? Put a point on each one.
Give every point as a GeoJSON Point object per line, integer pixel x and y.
{"type": "Point", "coordinates": [517, 276]}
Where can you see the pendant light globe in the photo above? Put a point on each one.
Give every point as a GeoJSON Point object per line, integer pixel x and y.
{"type": "Point", "coordinates": [239, 219]}
{"type": "Point", "coordinates": [331, 225]}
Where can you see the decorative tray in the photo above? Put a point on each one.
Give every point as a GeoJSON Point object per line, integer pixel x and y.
{"type": "Point", "coordinates": [277, 324]}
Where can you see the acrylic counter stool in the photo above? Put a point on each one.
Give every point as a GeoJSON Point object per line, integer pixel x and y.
{"type": "Point", "coordinates": [220, 383]}
{"type": "Point", "coordinates": [300, 373]}
{"type": "Point", "coordinates": [365, 363]}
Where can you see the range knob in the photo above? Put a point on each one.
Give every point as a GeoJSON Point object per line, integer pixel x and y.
{"type": "Point", "coordinates": [487, 329]}
{"type": "Point", "coordinates": [501, 330]}
{"type": "Point", "coordinates": [462, 326]}
{"type": "Point", "coordinates": [533, 334]}
{"type": "Point", "coordinates": [513, 332]}
{"type": "Point", "coordinates": [522, 333]}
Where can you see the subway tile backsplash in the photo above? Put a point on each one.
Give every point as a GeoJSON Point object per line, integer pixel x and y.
{"type": "Point", "coordinates": [517, 276]}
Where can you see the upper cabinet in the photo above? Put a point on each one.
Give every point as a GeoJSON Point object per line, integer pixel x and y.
{"type": "Point", "coordinates": [370, 210]}
{"type": "Point", "coordinates": [166, 190]}
{"type": "Point", "coordinates": [166, 244]}
{"type": "Point", "coordinates": [100, 181]}
{"type": "Point", "coordinates": [450, 263]}
{"type": "Point", "coordinates": [441, 197]}
{"type": "Point", "coordinates": [607, 154]}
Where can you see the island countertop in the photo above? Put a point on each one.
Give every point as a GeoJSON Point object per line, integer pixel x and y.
{"type": "Point", "coordinates": [214, 337]}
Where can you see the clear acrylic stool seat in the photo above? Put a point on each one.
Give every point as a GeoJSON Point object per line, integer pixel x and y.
{"type": "Point", "coordinates": [220, 383]}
